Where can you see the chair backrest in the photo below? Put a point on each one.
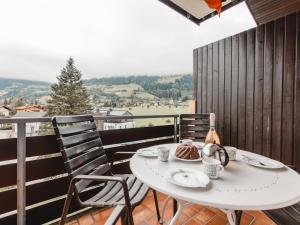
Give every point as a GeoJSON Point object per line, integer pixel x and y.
{"type": "Point", "coordinates": [193, 126]}
{"type": "Point", "coordinates": [81, 147]}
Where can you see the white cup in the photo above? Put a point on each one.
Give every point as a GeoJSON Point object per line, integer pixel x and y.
{"type": "Point", "coordinates": [231, 151]}
{"type": "Point", "coordinates": [163, 154]}
{"type": "Point", "coordinates": [212, 167]}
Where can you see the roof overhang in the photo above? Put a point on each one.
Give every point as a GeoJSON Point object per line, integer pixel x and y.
{"type": "Point", "coordinates": [197, 10]}
{"type": "Point", "coordinates": [263, 11]}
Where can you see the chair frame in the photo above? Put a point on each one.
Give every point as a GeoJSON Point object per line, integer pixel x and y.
{"type": "Point", "coordinates": [123, 208]}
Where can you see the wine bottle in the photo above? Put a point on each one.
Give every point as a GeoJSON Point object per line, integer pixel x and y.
{"type": "Point", "coordinates": [212, 135]}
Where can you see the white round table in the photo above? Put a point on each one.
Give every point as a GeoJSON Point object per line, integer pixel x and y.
{"type": "Point", "coordinates": [240, 187]}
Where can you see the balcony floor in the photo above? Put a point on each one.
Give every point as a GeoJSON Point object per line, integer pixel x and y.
{"type": "Point", "coordinates": [193, 215]}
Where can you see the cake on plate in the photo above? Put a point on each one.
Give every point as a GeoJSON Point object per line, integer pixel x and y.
{"type": "Point", "coordinates": [187, 151]}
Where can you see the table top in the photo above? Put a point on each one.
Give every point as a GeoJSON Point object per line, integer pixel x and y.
{"type": "Point", "coordinates": [240, 186]}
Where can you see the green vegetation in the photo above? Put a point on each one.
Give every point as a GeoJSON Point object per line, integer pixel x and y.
{"type": "Point", "coordinates": [69, 96]}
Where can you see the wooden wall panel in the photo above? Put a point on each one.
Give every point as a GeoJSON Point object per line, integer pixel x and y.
{"type": "Point", "coordinates": [258, 80]}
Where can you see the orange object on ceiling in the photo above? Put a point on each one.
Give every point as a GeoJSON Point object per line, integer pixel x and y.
{"type": "Point", "coordinates": [215, 4]}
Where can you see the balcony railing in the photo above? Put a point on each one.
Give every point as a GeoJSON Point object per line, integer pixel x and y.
{"type": "Point", "coordinates": [33, 180]}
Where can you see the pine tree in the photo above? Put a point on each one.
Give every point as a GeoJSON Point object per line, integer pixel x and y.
{"type": "Point", "coordinates": [69, 96]}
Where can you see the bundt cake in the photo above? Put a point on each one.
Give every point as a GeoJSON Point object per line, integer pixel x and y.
{"type": "Point", "coordinates": [187, 151]}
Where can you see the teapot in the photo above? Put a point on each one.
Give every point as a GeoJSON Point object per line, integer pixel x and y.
{"type": "Point", "coordinates": [216, 151]}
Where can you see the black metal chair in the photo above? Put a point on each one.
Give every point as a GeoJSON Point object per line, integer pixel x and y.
{"type": "Point", "coordinates": [286, 216]}
{"type": "Point", "coordinates": [193, 126]}
{"type": "Point", "coordinates": [86, 163]}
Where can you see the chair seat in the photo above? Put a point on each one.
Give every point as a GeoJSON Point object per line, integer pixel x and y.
{"type": "Point", "coordinates": [112, 194]}
{"type": "Point", "coordinates": [288, 215]}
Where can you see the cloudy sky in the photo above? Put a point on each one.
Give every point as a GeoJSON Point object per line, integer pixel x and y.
{"type": "Point", "coordinates": [105, 37]}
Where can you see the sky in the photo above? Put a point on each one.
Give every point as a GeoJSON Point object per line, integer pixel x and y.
{"type": "Point", "coordinates": [105, 37]}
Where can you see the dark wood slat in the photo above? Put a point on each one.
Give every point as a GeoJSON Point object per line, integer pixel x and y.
{"type": "Point", "coordinates": [220, 117]}
{"type": "Point", "coordinates": [204, 80]}
{"type": "Point", "coordinates": [195, 122]}
{"type": "Point", "coordinates": [101, 170]}
{"type": "Point", "coordinates": [88, 167]}
{"type": "Point", "coordinates": [242, 77]}
{"type": "Point", "coordinates": [79, 138]}
{"type": "Point", "coordinates": [259, 83]}
{"type": "Point", "coordinates": [215, 84]}
{"type": "Point", "coordinates": [34, 193]}
{"type": "Point", "coordinates": [133, 148]}
{"type": "Point", "coordinates": [135, 134]}
{"type": "Point", "coordinates": [267, 97]}
{"type": "Point", "coordinates": [277, 89]}
{"type": "Point", "coordinates": [121, 168]}
{"type": "Point", "coordinates": [198, 134]}
{"type": "Point", "coordinates": [195, 73]}
{"type": "Point", "coordinates": [288, 89]}
{"type": "Point", "coordinates": [64, 130]}
{"type": "Point", "coordinates": [250, 89]}
{"type": "Point", "coordinates": [234, 91]}
{"type": "Point", "coordinates": [73, 119]}
{"type": "Point", "coordinates": [297, 100]}
{"type": "Point", "coordinates": [84, 158]}
{"type": "Point", "coordinates": [199, 80]}
{"type": "Point", "coordinates": [41, 145]}
{"type": "Point", "coordinates": [210, 78]}
{"type": "Point", "coordinates": [83, 147]}
{"type": "Point", "coordinates": [227, 101]}
{"type": "Point", "coordinates": [194, 128]}
{"type": "Point", "coordinates": [8, 174]}
{"type": "Point", "coordinates": [204, 117]}
{"type": "Point", "coordinates": [8, 150]}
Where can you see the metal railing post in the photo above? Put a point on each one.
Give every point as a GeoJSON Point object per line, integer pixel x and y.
{"type": "Point", "coordinates": [175, 129]}
{"type": "Point", "coordinates": [21, 173]}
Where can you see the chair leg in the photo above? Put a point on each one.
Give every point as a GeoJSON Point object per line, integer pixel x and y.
{"type": "Point", "coordinates": [125, 218]}
{"type": "Point", "coordinates": [238, 216]}
{"type": "Point", "coordinates": [67, 204]}
{"type": "Point", "coordinates": [174, 206]}
{"type": "Point", "coordinates": [156, 205]}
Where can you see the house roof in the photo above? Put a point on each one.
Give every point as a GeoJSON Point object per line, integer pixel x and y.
{"type": "Point", "coordinates": [119, 113]}
{"type": "Point", "coordinates": [30, 114]}
{"type": "Point", "coordinates": [263, 11]}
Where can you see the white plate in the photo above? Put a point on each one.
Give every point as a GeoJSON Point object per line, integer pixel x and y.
{"type": "Point", "coordinates": [261, 162]}
{"type": "Point", "coordinates": [147, 152]}
{"type": "Point", "coordinates": [188, 160]}
{"type": "Point", "coordinates": [188, 178]}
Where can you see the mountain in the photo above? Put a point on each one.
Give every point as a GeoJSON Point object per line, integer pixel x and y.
{"type": "Point", "coordinates": [110, 89]}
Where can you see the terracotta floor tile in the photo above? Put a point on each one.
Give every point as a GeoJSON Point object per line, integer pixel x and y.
{"type": "Point", "coordinates": [74, 222]}
{"type": "Point", "coordinates": [246, 219]}
{"type": "Point", "coordinates": [193, 222]}
{"type": "Point", "coordinates": [190, 211]}
{"type": "Point", "coordinates": [205, 215]}
{"type": "Point", "coordinates": [197, 207]}
{"type": "Point", "coordinates": [145, 214]}
{"type": "Point", "coordinates": [86, 219]}
{"type": "Point", "coordinates": [217, 220]}
{"type": "Point", "coordinates": [102, 215]}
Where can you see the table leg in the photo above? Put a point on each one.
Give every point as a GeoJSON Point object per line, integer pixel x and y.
{"type": "Point", "coordinates": [177, 214]}
{"type": "Point", "coordinates": [164, 209]}
{"type": "Point", "coordinates": [231, 216]}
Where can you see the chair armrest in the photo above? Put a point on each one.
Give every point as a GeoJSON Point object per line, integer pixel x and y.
{"type": "Point", "coordinates": [120, 153]}
{"type": "Point", "coordinates": [104, 178]}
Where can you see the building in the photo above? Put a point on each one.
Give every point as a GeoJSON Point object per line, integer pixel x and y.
{"type": "Point", "coordinates": [32, 129]}
{"type": "Point", "coordinates": [30, 108]}
{"type": "Point", "coordinates": [5, 111]}
{"type": "Point", "coordinates": [111, 124]}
